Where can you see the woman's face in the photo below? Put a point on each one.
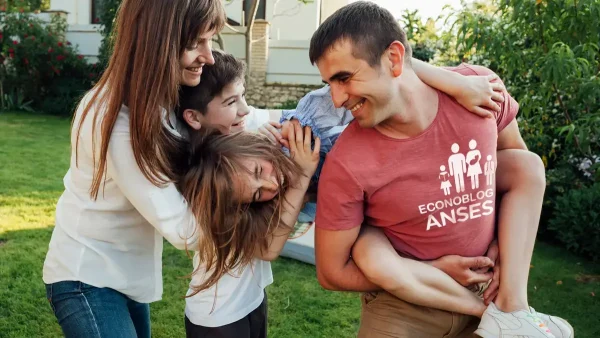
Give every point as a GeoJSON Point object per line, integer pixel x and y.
{"type": "Point", "coordinates": [259, 184]}
{"type": "Point", "coordinates": [194, 57]}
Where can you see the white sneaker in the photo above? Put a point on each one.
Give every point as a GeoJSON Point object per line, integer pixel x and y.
{"type": "Point", "coordinates": [559, 327]}
{"type": "Point", "coordinates": [522, 324]}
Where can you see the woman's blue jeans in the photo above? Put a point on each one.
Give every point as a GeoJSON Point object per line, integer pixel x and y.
{"type": "Point", "coordinates": [83, 310]}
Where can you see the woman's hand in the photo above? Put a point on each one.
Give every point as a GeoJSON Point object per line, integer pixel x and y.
{"type": "Point", "coordinates": [300, 150]}
{"type": "Point", "coordinates": [480, 93]}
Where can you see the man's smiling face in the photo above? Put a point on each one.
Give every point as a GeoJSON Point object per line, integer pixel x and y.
{"type": "Point", "coordinates": [363, 89]}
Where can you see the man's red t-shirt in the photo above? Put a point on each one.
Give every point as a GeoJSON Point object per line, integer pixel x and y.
{"type": "Point", "coordinates": [433, 194]}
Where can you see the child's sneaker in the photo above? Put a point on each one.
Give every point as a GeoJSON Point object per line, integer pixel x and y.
{"type": "Point", "coordinates": [559, 327]}
{"type": "Point", "coordinates": [523, 324]}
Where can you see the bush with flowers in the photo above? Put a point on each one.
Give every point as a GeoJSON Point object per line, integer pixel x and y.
{"type": "Point", "coordinates": [38, 67]}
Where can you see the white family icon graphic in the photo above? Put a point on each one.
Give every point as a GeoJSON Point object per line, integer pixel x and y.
{"type": "Point", "coordinates": [460, 166]}
{"type": "Point", "coordinates": [490, 170]}
{"type": "Point", "coordinates": [446, 185]}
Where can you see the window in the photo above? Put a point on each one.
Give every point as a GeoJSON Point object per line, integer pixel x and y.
{"type": "Point", "coordinates": [260, 13]}
{"type": "Point", "coordinates": [96, 10]}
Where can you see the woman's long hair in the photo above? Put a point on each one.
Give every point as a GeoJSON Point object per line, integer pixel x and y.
{"type": "Point", "coordinates": [144, 74]}
{"type": "Point", "coordinates": [232, 231]}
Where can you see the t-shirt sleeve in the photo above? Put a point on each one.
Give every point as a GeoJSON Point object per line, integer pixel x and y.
{"type": "Point", "coordinates": [340, 199]}
{"type": "Point", "coordinates": [508, 109]}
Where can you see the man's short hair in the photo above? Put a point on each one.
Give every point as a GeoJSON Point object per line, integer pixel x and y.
{"type": "Point", "coordinates": [226, 70]}
{"type": "Point", "coordinates": [370, 28]}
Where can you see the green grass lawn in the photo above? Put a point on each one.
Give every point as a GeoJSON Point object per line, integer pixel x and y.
{"type": "Point", "coordinates": [34, 156]}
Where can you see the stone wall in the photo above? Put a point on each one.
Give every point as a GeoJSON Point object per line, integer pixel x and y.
{"type": "Point", "coordinates": [274, 95]}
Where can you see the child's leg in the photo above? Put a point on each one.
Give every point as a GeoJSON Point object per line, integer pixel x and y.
{"type": "Point", "coordinates": [521, 177]}
{"type": "Point", "coordinates": [409, 280]}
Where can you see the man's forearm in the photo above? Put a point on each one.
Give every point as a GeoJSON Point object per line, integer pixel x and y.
{"type": "Point", "coordinates": [353, 279]}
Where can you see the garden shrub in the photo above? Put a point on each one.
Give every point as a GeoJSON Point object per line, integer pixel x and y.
{"type": "Point", "coordinates": [40, 66]}
{"type": "Point", "coordinates": [547, 53]}
{"type": "Point", "coordinates": [576, 221]}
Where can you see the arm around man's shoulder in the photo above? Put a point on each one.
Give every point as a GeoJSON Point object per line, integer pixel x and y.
{"type": "Point", "coordinates": [162, 206]}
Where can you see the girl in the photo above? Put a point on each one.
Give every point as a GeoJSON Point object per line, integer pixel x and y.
{"type": "Point", "coordinates": [104, 264]}
{"type": "Point", "coordinates": [222, 182]}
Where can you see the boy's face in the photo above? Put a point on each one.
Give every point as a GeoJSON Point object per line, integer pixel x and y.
{"type": "Point", "coordinates": [227, 111]}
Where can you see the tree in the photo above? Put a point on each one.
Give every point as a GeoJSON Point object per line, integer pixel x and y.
{"type": "Point", "coordinates": [422, 36]}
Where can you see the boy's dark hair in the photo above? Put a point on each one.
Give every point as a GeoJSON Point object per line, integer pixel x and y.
{"type": "Point", "coordinates": [370, 28]}
{"type": "Point", "coordinates": [226, 70]}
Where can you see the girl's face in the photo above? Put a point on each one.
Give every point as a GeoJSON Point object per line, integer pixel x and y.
{"type": "Point", "coordinates": [227, 111]}
{"type": "Point", "coordinates": [259, 184]}
{"type": "Point", "coordinates": [194, 57]}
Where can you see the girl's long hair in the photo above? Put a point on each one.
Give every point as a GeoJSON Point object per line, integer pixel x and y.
{"type": "Point", "coordinates": [232, 231]}
{"type": "Point", "coordinates": [144, 74]}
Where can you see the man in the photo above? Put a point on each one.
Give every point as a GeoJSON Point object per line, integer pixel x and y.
{"type": "Point", "coordinates": [390, 168]}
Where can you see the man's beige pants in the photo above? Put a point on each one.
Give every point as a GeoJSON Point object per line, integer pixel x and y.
{"type": "Point", "coordinates": [384, 315]}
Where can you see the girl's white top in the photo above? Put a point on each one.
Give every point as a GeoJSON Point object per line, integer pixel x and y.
{"type": "Point", "coordinates": [115, 241]}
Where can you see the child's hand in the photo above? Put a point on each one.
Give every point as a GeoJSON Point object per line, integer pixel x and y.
{"type": "Point", "coordinates": [271, 131]}
{"type": "Point", "coordinates": [466, 270]}
{"type": "Point", "coordinates": [480, 93]}
{"type": "Point", "coordinates": [300, 150]}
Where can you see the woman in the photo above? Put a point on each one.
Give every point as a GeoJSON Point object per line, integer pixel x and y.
{"type": "Point", "coordinates": [104, 263]}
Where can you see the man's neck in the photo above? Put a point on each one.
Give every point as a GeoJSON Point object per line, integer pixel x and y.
{"type": "Point", "coordinates": [416, 106]}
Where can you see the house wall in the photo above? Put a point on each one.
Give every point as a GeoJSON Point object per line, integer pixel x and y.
{"type": "Point", "coordinates": [290, 19]}
{"type": "Point", "coordinates": [81, 32]}
{"type": "Point", "coordinates": [293, 20]}
{"type": "Point", "coordinates": [328, 7]}
{"type": "Point", "coordinates": [288, 63]}
{"type": "Point", "coordinates": [233, 9]}
{"type": "Point", "coordinates": [281, 68]}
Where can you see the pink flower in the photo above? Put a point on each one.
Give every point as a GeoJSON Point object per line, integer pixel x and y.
{"type": "Point", "coordinates": [60, 57]}
{"type": "Point", "coordinates": [80, 57]}
{"type": "Point", "coordinates": [50, 50]}
{"type": "Point", "coordinates": [60, 44]}
{"type": "Point", "coordinates": [15, 42]}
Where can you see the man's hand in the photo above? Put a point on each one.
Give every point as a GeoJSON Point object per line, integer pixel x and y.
{"type": "Point", "coordinates": [492, 291]}
{"type": "Point", "coordinates": [466, 270]}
